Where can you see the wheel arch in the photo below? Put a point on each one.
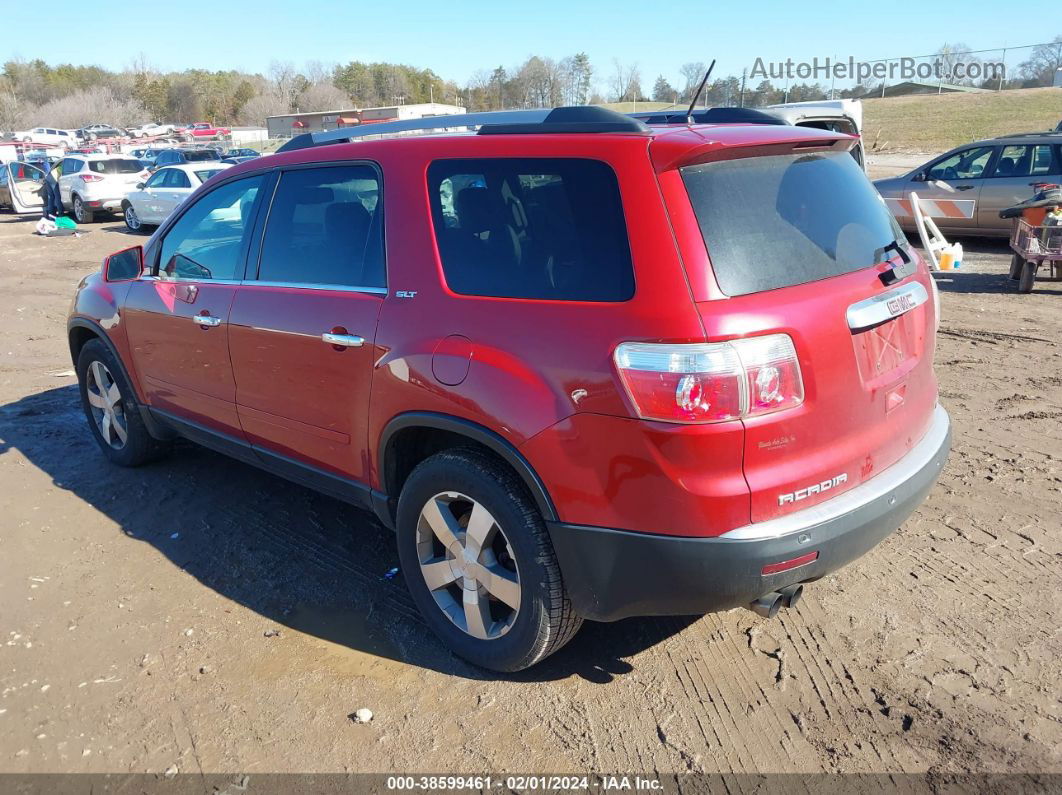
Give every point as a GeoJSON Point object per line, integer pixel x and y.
{"type": "Point", "coordinates": [409, 438]}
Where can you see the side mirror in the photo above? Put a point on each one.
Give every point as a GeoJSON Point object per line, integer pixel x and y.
{"type": "Point", "coordinates": [140, 185]}
{"type": "Point", "coordinates": [124, 265]}
{"type": "Point", "coordinates": [919, 177]}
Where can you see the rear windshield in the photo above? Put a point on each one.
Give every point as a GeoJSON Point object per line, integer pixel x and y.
{"type": "Point", "coordinates": [193, 155]}
{"type": "Point", "coordinates": [782, 220]}
{"type": "Point", "coordinates": [207, 173]}
{"type": "Point", "coordinates": [115, 166]}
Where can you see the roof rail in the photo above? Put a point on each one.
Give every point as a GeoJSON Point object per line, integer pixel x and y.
{"type": "Point", "coordinates": [576, 119]}
{"type": "Point", "coordinates": [720, 115]}
{"type": "Point", "coordinates": [1034, 133]}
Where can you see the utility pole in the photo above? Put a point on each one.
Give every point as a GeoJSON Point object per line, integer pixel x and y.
{"type": "Point", "coordinates": [744, 74]}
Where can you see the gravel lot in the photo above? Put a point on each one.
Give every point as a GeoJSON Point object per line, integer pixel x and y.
{"type": "Point", "coordinates": [201, 614]}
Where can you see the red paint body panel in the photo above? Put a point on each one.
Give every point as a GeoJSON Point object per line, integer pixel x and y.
{"type": "Point", "coordinates": [182, 367]}
{"type": "Point", "coordinates": [296, 394]}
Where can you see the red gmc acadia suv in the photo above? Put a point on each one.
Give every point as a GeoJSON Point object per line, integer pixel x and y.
{"type": "Point", "coordinates": [584, 367]}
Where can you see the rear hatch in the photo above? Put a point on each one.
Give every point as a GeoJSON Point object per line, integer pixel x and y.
{"type": "Point", "coordinates": [120, 172]}
{"type": "Point", "coordinates": [799, 243]}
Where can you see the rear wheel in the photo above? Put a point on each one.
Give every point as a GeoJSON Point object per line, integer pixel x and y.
{"type": "Point", "coordinates": [112, 410]}
{"type": "Point", "coordinates": [82, 214]}
{"type": "Point", "coordinates": [1015, 267]}
{"type": "Point", "coordinates": [1028, 277]}
{"type": "Point", "coordinates": [479, 563]}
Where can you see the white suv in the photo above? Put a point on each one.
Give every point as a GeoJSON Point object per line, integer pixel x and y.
{"type": "Point", "coordinates": [94, 183]}
{"type": "Point", "coordinates": [48, 135]}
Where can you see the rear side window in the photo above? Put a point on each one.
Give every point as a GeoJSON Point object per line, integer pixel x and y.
{"type": "Point", "coordinates": [782, 220]}
{"type": "Point", "coordinates": [324, 228]}
{"type": "Point", "coordinates": [531, 228]}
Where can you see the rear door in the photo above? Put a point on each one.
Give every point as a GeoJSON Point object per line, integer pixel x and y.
{"type": "Point", "coordinates": [177, 319]}
{"type": "Point", "coordinates": [1012, 180]}
{"type": "Point", "coordinates": [797, 245]}
{"type": "Point", "coordinates": [303, 324]}
{"type": "Point", "coordinates": [172, 191]}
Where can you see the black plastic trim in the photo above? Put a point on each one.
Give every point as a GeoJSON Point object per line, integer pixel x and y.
{"type": "Point", "coordinates": [477, 433]}
{"type": "Point", "coordinates": [344, 489]}
{"type": "Point", "coordinates": [613, 574]}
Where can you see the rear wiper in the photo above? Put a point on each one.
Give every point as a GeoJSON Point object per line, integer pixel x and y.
{"type": "Point", "coordinates": [897, 272]}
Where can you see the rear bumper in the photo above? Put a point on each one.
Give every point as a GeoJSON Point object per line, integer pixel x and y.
{"type": "Point", "coordinates": [614, 574]}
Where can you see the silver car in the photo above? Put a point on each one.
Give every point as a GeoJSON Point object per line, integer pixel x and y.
{"type": "Point", "coordinates": [963, 190]}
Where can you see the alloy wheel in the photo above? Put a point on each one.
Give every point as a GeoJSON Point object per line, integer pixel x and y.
{"type": "Point", "coordinates": [468, 565]}
{"type": "Point", "coordinates": [132, 220]}
{"type": "Point", "coordinates": [105, 400]}
{"type": "Point", "coordinates": [79, 210]}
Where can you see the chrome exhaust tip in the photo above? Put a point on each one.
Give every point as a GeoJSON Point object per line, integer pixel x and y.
{"type": "Point", "coordinates": [768, 605]}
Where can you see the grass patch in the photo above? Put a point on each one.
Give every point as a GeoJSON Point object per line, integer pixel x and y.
{"type": "Point", "coordinates": [937, 122]}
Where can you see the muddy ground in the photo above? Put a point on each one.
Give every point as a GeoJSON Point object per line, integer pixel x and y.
{"type": "Point", "coordinates": [137, 607]}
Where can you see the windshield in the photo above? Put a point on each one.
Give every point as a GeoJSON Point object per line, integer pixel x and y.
{"type": "Point", "coordinates": [116, 166]}
{"type": "Point", "coordinates": [783, 220]}
{"type": "Point", "coordinates": [201, 154]}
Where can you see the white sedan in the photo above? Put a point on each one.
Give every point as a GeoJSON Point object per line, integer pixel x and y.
{"type": "Point", "coordinates": [153, 201]}
{"type": "Point", "coordinates": [150, 129]}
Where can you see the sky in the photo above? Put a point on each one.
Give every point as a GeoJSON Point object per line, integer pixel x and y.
{"type": "Point", "coordinates": [455, 38]}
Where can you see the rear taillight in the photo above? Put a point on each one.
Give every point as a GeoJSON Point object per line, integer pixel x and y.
{"type": "Point", "coordinates": [711, 382]}
{"type": "Point", "coordinates": [92, 178]}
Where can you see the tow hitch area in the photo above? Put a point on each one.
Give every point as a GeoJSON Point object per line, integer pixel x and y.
{"type": "Point", "coordinates": [769, 604]}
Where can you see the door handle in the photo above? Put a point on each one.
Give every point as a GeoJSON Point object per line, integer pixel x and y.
{"type": "Point", "coordinates": [343, 340]}
{"type": "Point", "coordinates": [206, 321]}
{"type": "Point", "coordinates": [965, 187]}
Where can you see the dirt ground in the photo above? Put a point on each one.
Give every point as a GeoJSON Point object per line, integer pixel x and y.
{"type": "Point", "coordinates": [139, 606]}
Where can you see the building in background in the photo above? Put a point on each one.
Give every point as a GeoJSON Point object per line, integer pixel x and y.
{"type": "Point", "coordinates": [291, 124]}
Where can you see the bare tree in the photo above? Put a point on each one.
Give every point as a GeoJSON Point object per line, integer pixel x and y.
{"type": "Point", "coordinates": [626, 81]}
{"type": "Point", "coordinates": [692, 73]}
{"type": "Point", "coordinates": [323, 96]}
{"type": "Point", "coordinates": [1043, 62]}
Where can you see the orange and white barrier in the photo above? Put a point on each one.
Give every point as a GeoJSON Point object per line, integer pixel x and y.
{"type": "Point", "coordinates": [934, 208]}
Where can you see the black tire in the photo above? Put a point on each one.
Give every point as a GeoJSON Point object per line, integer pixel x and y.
{"type": "Point", "coordinates": [82, 214]}
{"type": "Point", "coordinates": [1028, 277]}
{"type": "Point", "coordinates": [140, 446]}
{"type": "Point", "coordinates": [1016, 263]}
{"type": "Point", "coordinates": [132, 220]}
{"type": "Point", "coordinates": [545, 620]}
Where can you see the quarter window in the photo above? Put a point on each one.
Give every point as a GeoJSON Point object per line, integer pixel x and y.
{"type": "Point", "coordinates": [324, 227]}
{"type": "Point", "coordinates": [207, 242]}
{"type": "Point", "coordinates": [531, 228]}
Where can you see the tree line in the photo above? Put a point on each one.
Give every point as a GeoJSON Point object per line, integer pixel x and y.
{"type": "Point", "coordinates": [65, 95]}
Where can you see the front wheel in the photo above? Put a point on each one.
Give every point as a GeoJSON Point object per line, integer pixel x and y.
{"type": "Point", "coordinates": [112, 410]}
{"type": "Point", "coordinates": [479, 563]}
{"type": "Point", "coordinates": [132, 220]}
{"type": "Point", "coordinates": [1015, 267]}
{"type": "Point", "coordinates": [1028, 277]}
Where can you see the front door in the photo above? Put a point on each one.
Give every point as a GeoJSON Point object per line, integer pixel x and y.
{"type": "Point", "coordinates": [950, 188]}
{"type": "Point", "coordinates": [303, 324]}
{"type": "Point", "coordinates": [1013, 179]}
{"type": "Point", "coordinates": [24, 182]}
{"type": "Point", "coordinates": [177, 318]}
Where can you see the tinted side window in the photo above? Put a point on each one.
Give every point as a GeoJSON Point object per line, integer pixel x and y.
{"type": "Point", "coordinates": [531, 228]}
{"type": "Point", "coordinates": [967, 164]}
{"type": "Point", "coordinates": [158, 179]}
{"type": "Point", "coordinates": [178, 179]}
{"type": "Point", "coordinates": [208, 240]}
{"type": "Point", "coordinates": [324, 227]}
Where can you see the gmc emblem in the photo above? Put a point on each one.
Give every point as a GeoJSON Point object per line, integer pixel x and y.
{"type": "Point", "coordinates": [900, 304]}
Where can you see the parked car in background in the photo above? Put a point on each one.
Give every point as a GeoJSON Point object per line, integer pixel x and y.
{"type": "Point", "coordinates": [622, 371]}
{"type": "Point", "coordinates": [48, 135]}
{"type": "Point", "coordinates": [97, 183]}
{"type": "Point", "coordinates": [964, 189]}
{"type": "Point", "coordinates": [202, 129]}
{"type": "Point", "coordinates": [151, 128]}
{"type": "Point", "coordinates": [241, 152]}
{"type": "Point", "coordinates": [237, 160]}
{"type": "Point", "coordinates": [177, 156]}
{"type": "Point", "coordinates": [154, 199]}
{"type": "Point", "coordinates": [92, 132]}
